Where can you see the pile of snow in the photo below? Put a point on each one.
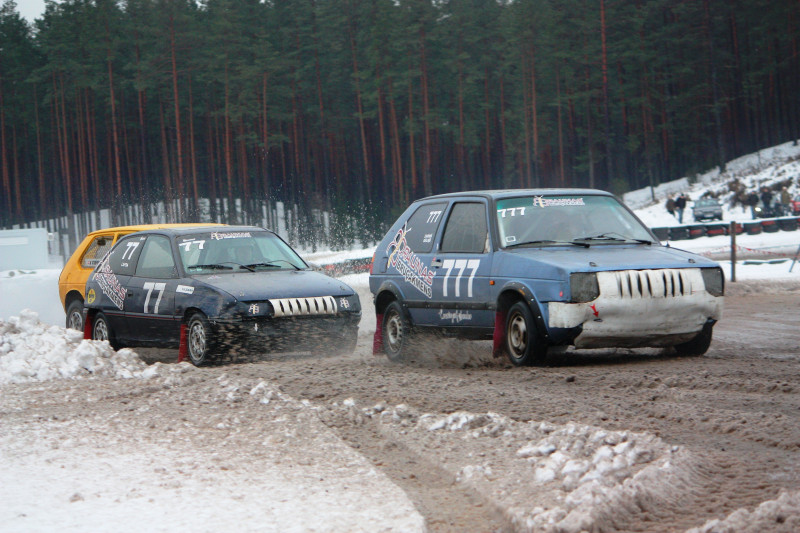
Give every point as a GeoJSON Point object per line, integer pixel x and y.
{"type": "Point", "coordinates": [781, 515]}
{"type": "Point", "coordinates": [546, 477]}
{"type": "Point", "coordinates": [33, 351]}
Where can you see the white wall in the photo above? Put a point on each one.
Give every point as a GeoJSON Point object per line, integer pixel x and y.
{"type": "Point", "coordinates": [23, 249]}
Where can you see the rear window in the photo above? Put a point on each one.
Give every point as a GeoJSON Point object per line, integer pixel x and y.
{"type": "Point", "coordinates": [420, 230]}
{"type": "Point", "coordinates": [96, 251]}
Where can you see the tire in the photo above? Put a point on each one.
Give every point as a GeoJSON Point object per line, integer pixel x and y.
{"type": "Point", "coordinates": [101, 331]}
{"type": "Point", "coordinates": [75, 315]}
{"type": "Point", "coordinates": [698, 345]}
{"type": "Point", "coordinates": [397, 335]}
{"type": "Point", "coordinates": [522, 342]}
{"type": "Point", "coordinates": [199, 342]}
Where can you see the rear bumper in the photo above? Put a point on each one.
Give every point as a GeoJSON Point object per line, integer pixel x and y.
{"type": "Point", "coordinates": [659, 311]}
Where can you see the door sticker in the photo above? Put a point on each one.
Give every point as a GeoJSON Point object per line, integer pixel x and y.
{"type": "Point", "coordinates": [409, 265]}
{"type": "Point", "coordinates": [460, 265]}
{"type": "Point", "coordinates": [150, 286]}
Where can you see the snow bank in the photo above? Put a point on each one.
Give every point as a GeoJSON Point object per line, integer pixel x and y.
{"type": "Point", "coordinates": [33, 351]}
{"type": "Point", "coordinates": [545, 477]}
{"type": "Point", "coordinates": [781, 515]}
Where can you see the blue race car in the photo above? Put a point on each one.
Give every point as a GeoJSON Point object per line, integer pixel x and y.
{"type": "Point", "coordinates": [210, 291]}
{"type": "Point", "coordinates": [535, 269]}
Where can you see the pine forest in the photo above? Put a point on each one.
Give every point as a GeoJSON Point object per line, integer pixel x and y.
{"type": "Point", "coordinates": [358, 107]}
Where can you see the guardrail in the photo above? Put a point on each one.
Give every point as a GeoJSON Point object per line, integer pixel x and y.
{"type": "Point", "coordinates": [713, 229]}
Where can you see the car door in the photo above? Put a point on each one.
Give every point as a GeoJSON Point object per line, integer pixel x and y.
{"type": "Point", "coordinates": [150, 299]}
{"type": "Point", "coordinates": [112, 276]}
{"type": "Point", "coordinates": [462, 266]}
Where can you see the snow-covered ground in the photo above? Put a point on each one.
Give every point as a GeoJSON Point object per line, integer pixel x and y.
{"type": "Point", "coordinates": [573, 477]}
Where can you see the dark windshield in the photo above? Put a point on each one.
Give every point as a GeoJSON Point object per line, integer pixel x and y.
{"type": "Point", "coordinates": [234, 251]}
{"type": "Point", "coordinates": [556, 220]}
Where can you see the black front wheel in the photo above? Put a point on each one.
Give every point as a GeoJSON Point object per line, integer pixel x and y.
{"type": "Point", "coordinates": [75, 315]}
{"type": "Point", "coordinates": [396, 332]}
{"type": "Point", "coordinates": [199, 340]}
{"type": "Point", "coordinates": [523, 345]}
{"type": "Point", "coordinates": [698, 345]}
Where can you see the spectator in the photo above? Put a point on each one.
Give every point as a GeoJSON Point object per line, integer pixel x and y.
{"type": "Point", "coordinates": [786, 198]}
{"type": "Point", "coordinates": [752, 201]}
{"type": "Point", "coordinates": [671, 205]}
{"type": "Point", "coordinates": [680, 205]}
{"type": "Point", "coordinates": [766, 197]}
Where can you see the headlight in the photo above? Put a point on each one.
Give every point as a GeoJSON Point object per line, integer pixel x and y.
{"type": "Point", "coordinates": [714, 281]}
{"type": "Point", "coordinates": [583, 287]}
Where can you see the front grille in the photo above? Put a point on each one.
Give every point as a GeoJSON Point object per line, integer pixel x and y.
{"type": "Point", "coordinates": [317, 305]}
{"type": "Point", "coordinates": [661, 283]}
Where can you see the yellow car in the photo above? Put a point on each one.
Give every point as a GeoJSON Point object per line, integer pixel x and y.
{"type": "Point", "coordinates": [72, 281]}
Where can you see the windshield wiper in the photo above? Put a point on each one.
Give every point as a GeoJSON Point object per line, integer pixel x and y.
{"type": "Point", "coordinates": [546, 241]}
{"type": "Point", "coordinates": [611, 237]}
{"type": "Point", "coordinates": [272, 264]}
{"type": "Point", "coordinates": [215, 266]}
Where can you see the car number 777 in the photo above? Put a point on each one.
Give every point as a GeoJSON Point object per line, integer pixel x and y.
{"type": "Point", "coordinates": [460, 264]}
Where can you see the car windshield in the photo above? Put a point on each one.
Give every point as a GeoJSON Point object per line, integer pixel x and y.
{"type": "Point", "coordinates": [706, 203]}
{"type": "Point", "coordinates": [234, 251]}
{"type": "Point", "coordinates": [567, 219]}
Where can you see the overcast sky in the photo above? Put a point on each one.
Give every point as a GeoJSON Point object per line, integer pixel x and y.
{"type": "Point", "coordinates": [30, 9]}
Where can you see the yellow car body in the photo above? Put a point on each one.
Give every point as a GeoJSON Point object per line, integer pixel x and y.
{"type": "Point", "coordinates": [72, 281]}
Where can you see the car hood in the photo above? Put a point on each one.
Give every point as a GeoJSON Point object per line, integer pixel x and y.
{"type": "Point", "coordinates": [264, 285]}
{"type": "Point", "coordinates": [555, 262]}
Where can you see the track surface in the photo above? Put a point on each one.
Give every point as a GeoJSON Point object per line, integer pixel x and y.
{"type": "Point", "coordinates": [737, 408]}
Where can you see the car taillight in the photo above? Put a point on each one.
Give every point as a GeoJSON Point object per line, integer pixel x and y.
{"type": "Point", "coordinates": [371, 264]}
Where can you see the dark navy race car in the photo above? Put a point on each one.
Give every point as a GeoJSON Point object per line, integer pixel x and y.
{"type": "Point", "coordinates": [536, 269]}
{"type": "Point", "coordinates": [211, 291]}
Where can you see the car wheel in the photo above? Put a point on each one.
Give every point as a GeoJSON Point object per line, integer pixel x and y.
{"type": "Point", "coordinates": [523, 346]}
{"type": "Point", "coordinates": [698, 345]}
{"type": "Point", "coordinates": [396, 332]}
{"type": "Point", "coordinates": [199, 340]}
{"type": "Point", "coordinates": [75, 315]}
{"type": "Point", "coordinates": [101, 331]}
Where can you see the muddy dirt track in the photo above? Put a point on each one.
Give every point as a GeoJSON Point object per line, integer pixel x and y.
{"type": "Point", "coordinates": [736, 409]}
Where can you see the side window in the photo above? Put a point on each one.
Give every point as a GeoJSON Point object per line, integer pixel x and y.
{"type": "Point", "coordinates": [466, 229]}
{"type": "Point", "coordinates": [422, 226]}
{"type": "Point", "coordinates": [97, 250]}
{"type": "Point", "coordinates": [123, 257]}
{"type": "Point", "coordinates": [156, 260]}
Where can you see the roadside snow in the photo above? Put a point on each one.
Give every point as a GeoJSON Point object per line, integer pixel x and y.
{"type": "Point", "coordinates": [781, 515]}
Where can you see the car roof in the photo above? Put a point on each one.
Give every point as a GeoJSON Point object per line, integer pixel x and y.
{"type": "Point", "coordinates": [191, 229]}
{"type": "Point", "coordinates": [145, 227]}
{"type": "Point", "coordinates": [498, 194]}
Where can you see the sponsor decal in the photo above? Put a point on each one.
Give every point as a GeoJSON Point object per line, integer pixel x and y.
{"type": "Point", "coordinates": [595, 312]}
{"type": "Point", "coordinates": [344, 303]}
{"type": "Point", "coordinates": [253, 309]}
{"type": "Point", "coordinates": [109, 284]}
{"type": "Point", "coordinates": [236, 235]}
{"type": "Point", "coordinates": [90, 296]}
{"type": "Point", "coordinates": [184, 289]}
{"type": "Point", "coordinates": [541, 201]}
{"type": "Point", "coordinates": [409, 265]}
{"type": "Point", "coordinates": [427, 238]}
{"type": "Point", "coordinates": [454, 316]}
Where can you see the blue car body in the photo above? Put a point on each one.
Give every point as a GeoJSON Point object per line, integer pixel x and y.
{"type": "Point", "coordinates": [231, 287]}
{"type": "Point", "coordinates": [587, 271]}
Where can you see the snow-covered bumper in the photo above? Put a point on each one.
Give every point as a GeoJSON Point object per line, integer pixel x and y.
{"type": "Point", "coordinates": [640, 308]}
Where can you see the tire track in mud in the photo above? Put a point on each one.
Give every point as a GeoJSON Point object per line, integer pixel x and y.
{"type": "Point", "coordinates": [445, 504]}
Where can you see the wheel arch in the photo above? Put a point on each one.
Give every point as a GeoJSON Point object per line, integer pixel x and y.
{"type": "Point", "coordinates": [72, 296]}
{"type": "Point", "coordinates": [510, 294]}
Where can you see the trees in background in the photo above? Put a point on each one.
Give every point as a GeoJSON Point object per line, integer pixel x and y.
{"type": "Point", "coordinates": [329, 104]}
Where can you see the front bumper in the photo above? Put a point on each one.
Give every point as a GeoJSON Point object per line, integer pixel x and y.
{"type": "Point", "coordinates": [640, 308]}
{"type": "Point", "coordinates": [287, 334]}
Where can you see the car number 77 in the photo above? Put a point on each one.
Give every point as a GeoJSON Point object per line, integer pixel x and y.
{"type": "Point", "coordinates": [460, 264]}
{"type": "Point", "coordinates": [150, 285]}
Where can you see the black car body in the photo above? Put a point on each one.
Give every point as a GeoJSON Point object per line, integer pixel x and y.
{"type": "Point", "coordinates": [209, 291]}
{"type": "Point", "coordinates": [535, 269]}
